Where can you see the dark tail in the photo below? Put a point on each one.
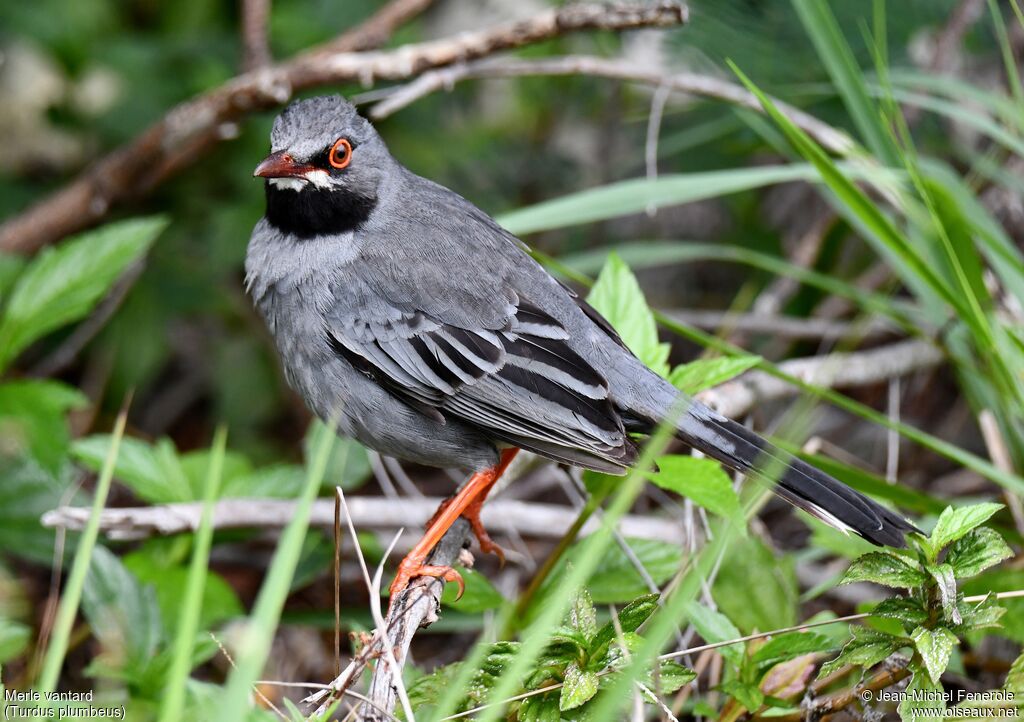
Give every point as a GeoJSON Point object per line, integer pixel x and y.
{"type": "Point", "coordinates": [799, 483]}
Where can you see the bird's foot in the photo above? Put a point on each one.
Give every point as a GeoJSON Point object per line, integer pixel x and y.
{"type": "Point", "coordinates": [472, 515]}
{"type": "Point", "coordinates": [412, 567]}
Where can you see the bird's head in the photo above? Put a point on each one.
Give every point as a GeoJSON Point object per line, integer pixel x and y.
{"type": "Point", "coordinates": [325, 168]}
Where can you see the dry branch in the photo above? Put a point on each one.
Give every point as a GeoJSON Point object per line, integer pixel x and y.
{"type": "Point", "coordinates": [859, 368]}
{"type": "Point", "coordinates": [693, 83]}
{"type": "Point", "coordinates": [188, 130]}
{"type": "Point", "coordinates": [789, 327]}
{"type": "Point", "coordinates": [368, 512]}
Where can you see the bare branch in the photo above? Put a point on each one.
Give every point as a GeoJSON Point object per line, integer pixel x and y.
{"type": "Point", "coordinates": [255, 43]}
{"type": "Point", "coordinates": [696, 84]}
{"type": "Point", "coordinates": [368, 512]}
{"type": "Point", "coordinates": [859, 368]}
{"type": "Point", "coordinates": [789, 327]}
{"type": "Point", "coordinates": [189, 130]}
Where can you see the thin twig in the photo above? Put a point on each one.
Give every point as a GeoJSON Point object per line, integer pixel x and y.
{"type": "Point", "coordinates": [693, 83]}
{"type": "Point", "coordinates": [188, 131]}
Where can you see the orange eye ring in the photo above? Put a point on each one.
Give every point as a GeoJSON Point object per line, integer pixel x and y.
{"type": "Point", "coordinates": [341, 154]}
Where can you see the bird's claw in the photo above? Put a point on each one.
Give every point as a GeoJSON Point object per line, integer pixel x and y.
{"type": "Point", "coordinates": [410, 569]}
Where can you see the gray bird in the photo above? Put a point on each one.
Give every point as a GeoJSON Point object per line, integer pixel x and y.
{"type": "Point", "coordinates": [409, 315]}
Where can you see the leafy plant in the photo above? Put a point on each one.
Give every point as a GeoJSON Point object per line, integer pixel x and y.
{"type": "Point", "coordinates": [581, 659]}
{"type": "Point", "coordinates": [932, 617]}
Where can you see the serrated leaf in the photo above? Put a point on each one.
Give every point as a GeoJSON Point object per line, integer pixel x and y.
{"type": "Point", "coordinates": [909, 611]}
{"type": "Point", "coordinates": [219, 601]}
{"type": "Point", "coordinates": [747, 695]}
{"type": "Point", "coordinates": [579, 687]}
{"type": "Point", "coordinates": [631, 617]}
{"type": "Point", "coordinates": [701, 480]}
{"type": "Point", "coordinates": [617, 296]}
{"type": "Point", "coordinates": [672, 677]}
{"type": "Point", "coordinates": [886, 568]}
{"type": "Point", "coordinates": [283, 481]}
{"type": "Point", "coordinates": [704, 373]}
{"type": "Point", "coordinates": [153, 471]}
{"type": "Point", "coordinates": [63, 283]}
{"type": "Point", "coordinates": [715, 627]}
{"type": "Point", "coordinates": [867, 648]}
{"type": "Point", "coordinates": [984, 614]}
{"type": "Point", "coordinates": [924, 700]}
{"type": "Point", "coordinates": [33, 420]}
{"type": "Point", "coordinates": [789, 678]}
{"type": "Point", "coordinates": [123, 614]}
{"type": "Point", "coordinates": [944, 579]}
{"type": "Point", "coordinates": [955, 523]}
{"type": "Point", "coordinates": [976, 552]}
{"type": "Point", "coordinates": [582, 615]}
{"type": "Point", "coordinates": [541, 708]}
{"type": "Point", "coordinates": [935, 646]}
{"type": "Point", "coordinates": [787, 646]}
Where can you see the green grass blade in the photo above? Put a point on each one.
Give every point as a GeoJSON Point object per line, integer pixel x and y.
{"type": "Point", "coordinates": [639, 194]}
{"type": "Point", "coordinates": [257, 637]}
{"type": "Point", "coordinates": [72, 595]}
{"type": "Point", "coordinates": [192, 599]}
{"type": "Point", "coordinates": [847, 76]}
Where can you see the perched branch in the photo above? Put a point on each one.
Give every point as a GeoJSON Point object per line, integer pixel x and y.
{"type": "Point", "coordinates": [415, 607]}
{"type": "Point", "coordinates": [693, 83]}
{"type": "Point", "coordinates": [859, 368]}
{"type": "Point", "coordinates": [368, 512]}
{"type": "Point", "coordinates": [189, 130]}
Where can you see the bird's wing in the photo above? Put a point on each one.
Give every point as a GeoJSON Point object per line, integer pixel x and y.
{"type": "Point", "coordinates": [510, 374]}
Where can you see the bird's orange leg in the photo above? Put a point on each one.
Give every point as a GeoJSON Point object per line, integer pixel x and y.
{"type": "Point", "coordinates": [466, 503]}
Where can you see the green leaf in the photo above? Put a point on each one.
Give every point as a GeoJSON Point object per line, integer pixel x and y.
{"type": "Point", "coordinates": [154, 472]}
{"type": "Point", "coordinates": [924, 700]}
{"type": "Point", "coordinates": [33, 420]}
{"type": "Point", "coordinates": [11, 266]}
{"type": "Point", "coordinates": [219, 600]}
{"type": "Point", "coordinates": [1015, 677]}
{"type": "Point", "coordinates": [582, 615]}
{"type": "Point", "coordinates": [976, 552]}
{"type": "Point", "coordinates": [631, 617]}
{"type": "Point", "coordinates": [541, 708]}
{"type": "Point", "coordinates": [701, 480]}
{"type": "Point", "coordinates": [617, 296]}
{"type": "Point", "coordinates": [14, 639]}
{"type": "Point", "coordinates": [907, 610]}
{"type": "Point", "coordinates": [579, 687]}
{"type": "Point", "coordinates": [283, 481]}
{"type": "Point", "coordinates": [748, 695]}
{"type": "Point", "coordinates": [27, 491]}
{"type": "Point", "coordinates": [867, 648]}
{"type": "Point", "coordinates": [671, 677]}
{"type": "Point", "coordinates": [935, 646]}
{"type": "Point", "coordinates": [124, 615]}
{"type": "Point", "coordinates": [705, 373]}
{"type": "Point", "coordinates": [886, 568]}
{"type": "Point", "coordinates": [63, 283]}
{"type": "Point", "coordinates": [480, 594]}
{"type": "Point", "coordinates": [616, 580]}
{"type": "Point", "coordinates": [790, 645]}
{"type": "Point", "coordinates": [749, 564]}
{"type": "Point", "coordinates": [955, 523]}
{"type": "Point", "coordinates": [944, 579]}
{"type": "Point", "coordinates": [715, 627]}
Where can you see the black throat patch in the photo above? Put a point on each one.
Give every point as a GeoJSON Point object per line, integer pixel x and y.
{"type": "Point", "coordinates": [316, 211]}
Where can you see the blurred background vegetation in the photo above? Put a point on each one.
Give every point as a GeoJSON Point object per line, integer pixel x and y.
{"type": "Point", "coordinates": [78, 79]}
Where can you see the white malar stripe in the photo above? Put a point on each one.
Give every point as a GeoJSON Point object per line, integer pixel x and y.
{"type": "Point", "coordinates": [288, 184]}
{"type": "Point", "coordinates": [318, 178]}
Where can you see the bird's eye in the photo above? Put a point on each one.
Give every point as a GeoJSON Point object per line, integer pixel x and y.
{"type": "Point", "coordinates": [341, 154]}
